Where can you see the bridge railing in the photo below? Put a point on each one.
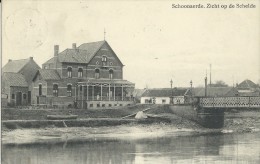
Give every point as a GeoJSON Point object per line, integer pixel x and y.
{"type": "Point", "coordinates": [228, 102]}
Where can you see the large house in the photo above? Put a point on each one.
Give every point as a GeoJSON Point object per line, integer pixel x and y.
{"type": "Point", "coordinates": [87, 76]}
{"type": "Point", "coordinates": [17, 78]}
{"type": "Point", "coordinates": [166, 96]}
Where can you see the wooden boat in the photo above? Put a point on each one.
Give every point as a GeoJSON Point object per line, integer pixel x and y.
{"type": "Point", "coordinates": [61, 117]}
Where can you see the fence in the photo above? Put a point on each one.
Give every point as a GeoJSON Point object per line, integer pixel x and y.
{"type": "Point", "coordinates": [226, 102]}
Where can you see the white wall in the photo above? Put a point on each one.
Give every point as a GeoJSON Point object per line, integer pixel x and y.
{"type": "Point", "coordinates": [158, 100]}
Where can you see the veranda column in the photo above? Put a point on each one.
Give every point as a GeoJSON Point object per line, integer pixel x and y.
{"type": "Point", "coordinates": [109, 92]}
{"type": "Point", "coordinates": [122, 93]}
{"type": "Point", "coordinates": [87, 92]}
{"type": "Point", "coordinates": [93, 92]}
{"type": "Point", "coordinates": [101, 92]}
{"type": "Point", "coordinates": [76, 92]}
{"type": "Point", "coordinates": [82, 96]}
{"type": "Point", "coordinates": [114, 92]}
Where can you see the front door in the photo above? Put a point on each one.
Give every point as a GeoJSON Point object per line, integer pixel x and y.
{"type": "Point", "coordinates": [18, 98]}
{"type": "Point", "coordinates": [38, 100]}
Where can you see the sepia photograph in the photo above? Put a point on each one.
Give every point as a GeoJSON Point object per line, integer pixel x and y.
{"type": "Point", "coordinates": [130, 82]}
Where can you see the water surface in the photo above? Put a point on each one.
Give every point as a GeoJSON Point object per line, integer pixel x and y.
{"type": "Point", "coordinates": [207, 148]}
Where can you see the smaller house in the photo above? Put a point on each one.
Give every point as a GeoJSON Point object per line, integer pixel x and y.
{"type": "Point", "coordinates": [15, 87]}
{"type": "Point", "coordinates": [17, 78]}
{"type": "Point", "coordinates": [248, 88]}
{"type": "Point", "coordinates": [164, 96]}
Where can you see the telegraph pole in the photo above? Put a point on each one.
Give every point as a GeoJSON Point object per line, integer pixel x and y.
{"type": "Point", "coordinates": [210, 75]}
{"type": "Point", "coordinates": [191, 91]}
{"type": "Point", "coordinates": [172, 92]}
{"type": "Point", "coordinates": [206, 87]}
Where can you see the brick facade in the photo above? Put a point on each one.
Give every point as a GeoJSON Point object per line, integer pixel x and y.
{"type": "Point", "coordinates": [101, 66]}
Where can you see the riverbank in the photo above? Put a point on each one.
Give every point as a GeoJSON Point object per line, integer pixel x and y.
{"type": "Point", "coordinates": [166, 122]}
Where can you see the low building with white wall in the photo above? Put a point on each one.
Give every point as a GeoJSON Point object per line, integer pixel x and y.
{"type": "Point", "coordinates": [164, 95]}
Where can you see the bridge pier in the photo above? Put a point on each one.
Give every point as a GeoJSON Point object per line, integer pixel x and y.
{"type": "Point", "coordinates": [211, 117]}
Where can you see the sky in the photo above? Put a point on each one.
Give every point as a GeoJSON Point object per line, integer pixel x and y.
{"type": "Point", "coordinates": [155, 42]}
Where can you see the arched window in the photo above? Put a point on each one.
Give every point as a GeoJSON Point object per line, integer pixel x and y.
{"type": "Point", "coordinates": [69, 90]}
{"type": "Point", "coordinates": [111, 72]}
{"type": "Point", "coordinates": [40, 89]}
{"type": "Point", "coordinates": [55, 90]}
{"type": "Point", "coordinates": [80, 72]}
{"type": "Point", "coordinates": [69, 72]}
{"type": "Point", "coordinates": [96, 73]}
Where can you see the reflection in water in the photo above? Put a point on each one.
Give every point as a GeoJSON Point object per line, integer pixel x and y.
{"type": "Point", "coordinates": [229, 148]}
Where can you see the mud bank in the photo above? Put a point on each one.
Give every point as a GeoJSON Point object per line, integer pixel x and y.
{"type": "Point", "coordinates": [128, 131]}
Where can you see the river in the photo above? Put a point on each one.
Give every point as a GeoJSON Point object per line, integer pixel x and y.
{"type": "Point", "coordinates": [164, 148]}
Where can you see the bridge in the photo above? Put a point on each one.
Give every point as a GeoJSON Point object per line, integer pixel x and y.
{"type": "Point", "coordinates": [211, 110]}
{"type": "Point", "coordinates": [229, 102]}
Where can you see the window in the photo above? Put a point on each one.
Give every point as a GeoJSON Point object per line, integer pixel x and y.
{"type": "Point", "coordinates": [163, 101]}
{"type": "Point", "coordinates": [111, 63]}
{"type": "Point", "coordinates": [24, 96]}
{"type": "Point", "coordinates": [111, 74]}
{"type": "Point", "coordinates": [69, 90]}
{"type": "Point", "coordinates": [80, 87]}
{"type": "Point", "coordinates": [55, 90]}
{"type": "Point", "coordinates": [96, 73]}
{"type": "Point", "coordinates": [104, 59]}
{"type": "Point", "coordinates": [80, 72]}
{"type": "Point", "coordinates": [146, 101]}
{"type": "Point", "coordinates": [13, 96]}
{"type": "Point", "coordinates": [69, 72]}
{"type": "Point", "coordinates": [103, 105]}
{"type": "Point", "coordinates": [40, 89]}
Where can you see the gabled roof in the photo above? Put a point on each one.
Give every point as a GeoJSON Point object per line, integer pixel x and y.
{"type": "Point", "coordinates": [211, 91]}
{"type": "Point", "coordinates": [82, 54]}
{"type": "Point", "coordinates": [14, 79]}
{"type": "Point", "coordinates": [15, 65]}
{"type": "Point", "coordinates": [232, 92]}
{"type": "Point", "coordinates": [48, 74]}
{"type": "Point", "coordinates": [247, 84]}
{"type": "Point", "coordinates": [91, 48]}
{"type": "Point", "coordinates": [165, 92]}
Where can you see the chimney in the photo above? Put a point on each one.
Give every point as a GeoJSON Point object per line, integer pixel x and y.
{"type": "Point", "coordinates": [74, 46]}
{"type": "Point", "coordinates": [31, 58]}
{"type": "Point", "coordinates": [56, 50]}
{"type": "Point", "coordinates": [9, 60]}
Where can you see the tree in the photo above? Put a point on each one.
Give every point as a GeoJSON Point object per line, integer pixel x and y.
{"type": "Point", "coordinates": [219, 83]}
